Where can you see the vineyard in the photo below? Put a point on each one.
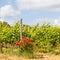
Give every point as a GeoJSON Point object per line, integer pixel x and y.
{"type": "Point", "coordinates": [45, 38]}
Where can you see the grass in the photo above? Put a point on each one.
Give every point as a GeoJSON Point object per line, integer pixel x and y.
{"type": "Point", "coordinates": [17, 54]}
{"type": "Point", "coordinates": [46, 56]}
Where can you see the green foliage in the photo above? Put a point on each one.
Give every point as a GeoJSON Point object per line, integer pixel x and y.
{"type": "Point", "coordinates": [45, 37]}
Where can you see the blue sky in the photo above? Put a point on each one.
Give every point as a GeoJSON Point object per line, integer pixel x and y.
{"type": "Point", "coordinates": [31, 11]}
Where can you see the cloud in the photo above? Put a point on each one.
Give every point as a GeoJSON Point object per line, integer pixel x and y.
{"type": "Point", "coordinates": [51, 21]}
{"type": "Point", "coordinates": [39, 4]}
{"type": "Point", "coordinates": [57, 22]}
{"type": "Point", "coordinates": [8, 10]}
{"type": "Point", "coordinates": [42, 21]}
{"type": "Point", "coordinates": [1, 20]}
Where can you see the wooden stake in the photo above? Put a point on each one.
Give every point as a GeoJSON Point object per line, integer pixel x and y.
{"type": "Point", "coordinates": [21, 30]}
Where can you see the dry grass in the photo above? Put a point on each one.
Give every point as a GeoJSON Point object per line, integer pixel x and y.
{"type": "Point", "coordinates": [44, 57]}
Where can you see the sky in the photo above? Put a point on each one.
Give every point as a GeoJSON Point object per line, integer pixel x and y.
{"type": "Point", "coordinates": [31, 11]}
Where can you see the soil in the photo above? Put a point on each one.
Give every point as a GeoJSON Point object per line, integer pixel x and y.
{"type": "Point", "coordinates": [40, 56]}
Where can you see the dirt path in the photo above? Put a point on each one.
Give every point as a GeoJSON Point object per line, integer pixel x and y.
{"type": "Point", "coordinates": [45, 57]}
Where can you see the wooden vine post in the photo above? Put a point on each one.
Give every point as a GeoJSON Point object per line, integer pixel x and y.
{"type": "Point", "coordinates": [20, 29]}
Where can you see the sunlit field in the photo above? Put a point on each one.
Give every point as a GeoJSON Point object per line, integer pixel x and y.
{"type": "Point", "coordinates": [38, 42]}
{"type": "Point", "coordinates": [29, 29]}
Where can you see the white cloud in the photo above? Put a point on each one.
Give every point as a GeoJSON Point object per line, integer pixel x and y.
{"type": "Point", "coordinates": [57, 22]}
{"type": "Point", "coordinates": [1, 19]}
{"type": "Point", "coordinates": [7, 10]}
{"type": "Point", "coordinates": [39, 4]}
{"type": "Point", "coordinates": [51, 21]}
{"type": "Point", "coordinates": [42, 21]}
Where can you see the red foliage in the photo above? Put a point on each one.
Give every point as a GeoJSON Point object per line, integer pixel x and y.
{"type": "Point", "coordinates": [19, 43]}
{"type": "Point", "coordinates": [27, 40]}
{"type": "Point", "coordinates": [24, 40]}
